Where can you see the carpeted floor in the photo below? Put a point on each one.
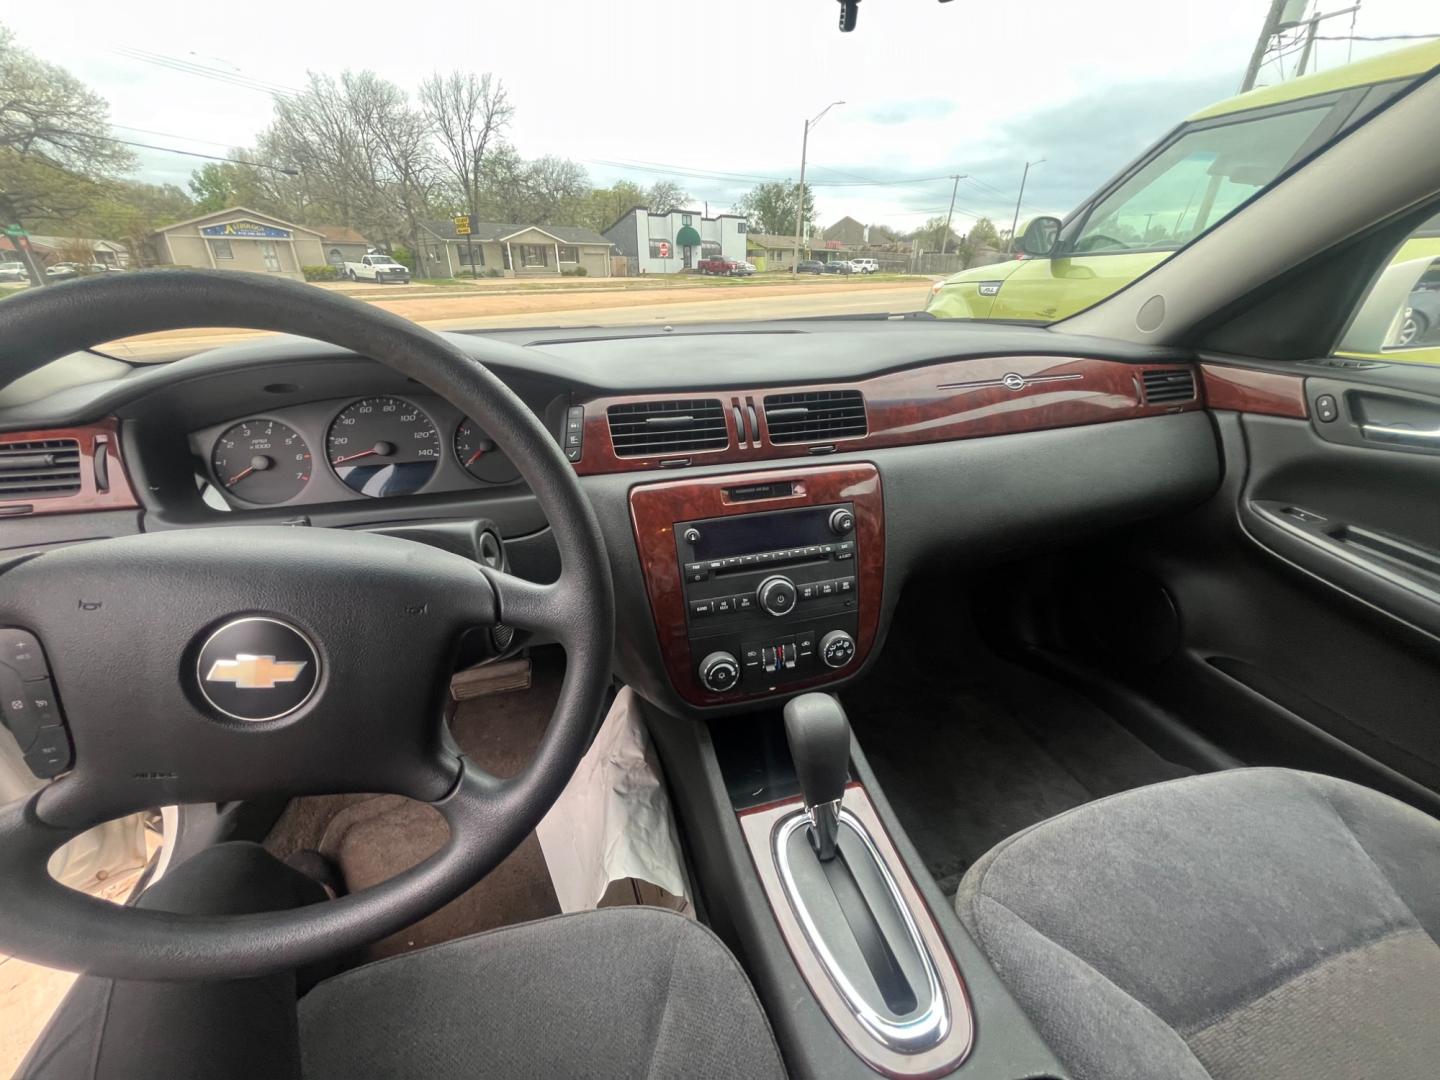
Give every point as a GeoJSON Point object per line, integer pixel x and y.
{"type": "Point", "coordinates": [371, 838]}
{"type": "Point", "coordinates": [970, 748]}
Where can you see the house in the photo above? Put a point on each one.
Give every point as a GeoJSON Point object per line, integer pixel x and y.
{"type": "Point", "coordinates": [52, 249]}
{"type": "Point", "coordinates": [239, 239]}
{"type": "Point", "coordinates": [668, 243]}
{"type": "Point", "coordinates": [770, 252]}
{"type": "Point", "coordinates": [342, 244]}
{"type": "Point", "coordinates": [848, 231]}
{"type": "Point", "coordinates": [514, 250]}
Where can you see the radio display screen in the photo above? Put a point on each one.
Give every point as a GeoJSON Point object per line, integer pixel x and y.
{"type": "Point", "coordinates": [748, 533]}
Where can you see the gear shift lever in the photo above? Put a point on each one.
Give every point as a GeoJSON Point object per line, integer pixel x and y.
{"type": "Point", "coordinates": [819, 737]}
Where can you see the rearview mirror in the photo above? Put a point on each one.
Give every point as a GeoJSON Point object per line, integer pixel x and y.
{"type": "Point", "coordinates": [1038, 239]}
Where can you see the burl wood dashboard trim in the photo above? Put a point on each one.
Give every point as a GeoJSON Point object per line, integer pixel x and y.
{"type": "Point", "coordinates": [758, 826]}
{"type": "Point", "coordinates": [960, 399]}
{"type": "Point", "coordinates": [655, 508]}
{"type": "Point", "coordinates": [97, 439]}
{"type": "Point", "coordinates": [1253, 391]}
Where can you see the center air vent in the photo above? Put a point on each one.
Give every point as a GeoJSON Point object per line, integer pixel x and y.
{"type": "Point", "coordinates": [41, 469]}
{"type": "Point", "coordinates": [817, 416]}
{"type": "Point", "coordinates": [652, 428]}
{"type": "Point", "coordinates": [1163, 387]}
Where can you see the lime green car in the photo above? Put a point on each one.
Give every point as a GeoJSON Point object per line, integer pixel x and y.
{"type": "Point", "coordinates": [1209, 166]}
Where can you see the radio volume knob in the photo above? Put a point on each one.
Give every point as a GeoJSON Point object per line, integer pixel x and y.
{"type": "Point", "coordinates": [719, 672]}
{"type": "Point", "coordinates": [776, 595]}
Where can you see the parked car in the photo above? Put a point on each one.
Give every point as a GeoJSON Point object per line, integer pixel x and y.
{"type": "Point", "coordinates": [1224, 155]}
{"type": "Point", "coordinates": [719, 265]}
{"type": "Point", "coordinates": [377, 268]}
{"type": "Point", "coordinates": [13, 271]}
{"type": "Point", "coordinates": [744, 269]}
{"type": "Point", "coordinates": [864, 266]}
{"type": "Point", "coordinates": [837, 266]}
{"type": "Point", "coordinates": [63, 270]}
{"type": "Point", "coordinates": [809, 266]}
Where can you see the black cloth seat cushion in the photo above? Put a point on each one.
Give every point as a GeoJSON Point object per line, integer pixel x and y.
{"type": "Point", "coordinates": [1248, 924]}
{"type": "Point", "coordinates": [619, 992]}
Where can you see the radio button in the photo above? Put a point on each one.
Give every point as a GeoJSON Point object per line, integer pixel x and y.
{"type": "Point", "coordinates": [777, 595]}
{"type": "Point", "coordinates": [807, 591]}
{"type": "Point", "coordinates": [724, 605]}
{"type": "Point", "coordinates": [846, 585]}
{"type": "Point", "coordinates": [744, 602]}
{"type": "Point", "coordinates": [701, 607]}
{"type": "Point", "coordinates": [827, 588]}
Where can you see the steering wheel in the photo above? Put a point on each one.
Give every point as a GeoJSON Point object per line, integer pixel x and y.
{"type": "Point", "coordinates": [147, 637]}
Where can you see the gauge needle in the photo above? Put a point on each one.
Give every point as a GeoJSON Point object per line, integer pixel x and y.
{"type": "Point", "coordinates": [239, 476]}
{"type": "Point", "coordinates": [475, 456]}
{"type": "Point", "coordinates": [352, 457]}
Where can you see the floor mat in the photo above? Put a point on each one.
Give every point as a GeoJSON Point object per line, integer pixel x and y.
{"type": "Point", "coordinates": [972, 751]}
{"type": "Point", "coordinates": [374, 837]}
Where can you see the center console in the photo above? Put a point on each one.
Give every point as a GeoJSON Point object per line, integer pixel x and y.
{"type": "Point", "coordinates": [762, 583]}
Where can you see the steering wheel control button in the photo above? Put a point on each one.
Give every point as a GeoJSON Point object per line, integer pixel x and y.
{"type": "Point", "coordinates": [837, 649]}
{"type": "Point", "coordinates": [20, 650]}
{"type": "Point", "coordinates": [719, 672]}
{"type": "Point", "coordinates": [28, 706]}
{"type": "Point", "coordinates": [777, 595]}
{"type": "Point", "coordinates": [575, 432]}
{"type": "Point", "coordinates": [257, 668]}
{"type": "Point", "coordinates": [50, 754]}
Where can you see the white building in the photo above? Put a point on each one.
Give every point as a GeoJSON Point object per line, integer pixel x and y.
{"type": "Point", "coordinates": [670, 243]}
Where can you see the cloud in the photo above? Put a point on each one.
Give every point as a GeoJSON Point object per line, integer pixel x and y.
{"type": "Point", "coordinates": [900, 111]}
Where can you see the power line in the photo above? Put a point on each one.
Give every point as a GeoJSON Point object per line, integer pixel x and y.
{"type": "Point", "coordinates": [1377, 37]}
{"type": "Point", "coordinates": [171, 135]}
{"type": "Point", "coordinates": [185, 153]}
{"type": "Point", "coordinates": [186, 67]}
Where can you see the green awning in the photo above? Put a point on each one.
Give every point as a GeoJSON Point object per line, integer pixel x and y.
{"type": "Point", "coordinates": [687, 237]}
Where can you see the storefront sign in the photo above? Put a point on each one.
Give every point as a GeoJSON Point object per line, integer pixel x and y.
{"type": "Point", "coordinates": [462, 224]}
{"type": "Point", "coordinates": [252, 230]}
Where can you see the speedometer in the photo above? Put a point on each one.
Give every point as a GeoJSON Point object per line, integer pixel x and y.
{"type": "Point", "coordinates": [261, 461]}
{"type": "Point", "coordinates": [383, 446]}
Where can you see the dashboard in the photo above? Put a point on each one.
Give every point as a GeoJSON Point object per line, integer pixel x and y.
{"type": "Point", "coordinates": [765, 491]}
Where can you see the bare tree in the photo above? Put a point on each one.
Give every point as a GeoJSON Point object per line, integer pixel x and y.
{"type": "Point", "coordinates": [665, 196]}
{"type": "Point", "coordinates": [469, 114]}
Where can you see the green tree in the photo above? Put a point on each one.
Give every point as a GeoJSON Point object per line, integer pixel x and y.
{"type": "Point", "coordinates": [603, 207]}
{"type": "Point", "coordinates": [983, 234]}
{"type": "Point", "coordinates": [933, 236]}
{"type": "Point", "coordinates": [55, 145]}
{"type": "Point", "coordinates": [770, 207]}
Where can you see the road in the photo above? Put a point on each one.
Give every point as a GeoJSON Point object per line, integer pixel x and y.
{"type": "Point", "coordinates": [657, 307]}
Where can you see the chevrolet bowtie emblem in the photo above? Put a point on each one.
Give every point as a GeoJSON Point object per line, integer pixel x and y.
{"type": "Point", "coordinates": [249, 672]}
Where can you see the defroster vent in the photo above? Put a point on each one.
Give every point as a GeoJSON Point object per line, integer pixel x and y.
{"type": "Point", "coordinates": [815, 416]}
{"type": "Point", "coordinates": [659, 428]}
{"type": "Point", "coordinates": [41, 469]}
{"type": "Point", "coordinates": [1166, 387]}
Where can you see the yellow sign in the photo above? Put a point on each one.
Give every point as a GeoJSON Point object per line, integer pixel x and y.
{"type": "Point", "coordinates": [462, 225]}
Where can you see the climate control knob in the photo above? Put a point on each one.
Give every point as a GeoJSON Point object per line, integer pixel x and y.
{"type": "Point", "coordinates": [777, 595]}
{"type": "Point", "coordinates": [837, 648]}
{"type": "Point", "coordinates": [719, 672]}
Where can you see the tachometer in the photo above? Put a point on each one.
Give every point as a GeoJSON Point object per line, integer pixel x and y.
{"type": "Point", "coordinates": [480, 457]}
{"type": "Point", "coordinates": [261, 461]}
{"type": "Point", "coordinates": [383, 446]}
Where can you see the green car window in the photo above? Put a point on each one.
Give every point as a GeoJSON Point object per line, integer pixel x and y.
{"type": "Point", "coordinates": [1194, 182]}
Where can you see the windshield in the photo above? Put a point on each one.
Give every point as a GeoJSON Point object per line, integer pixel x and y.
{"type": "Point", "coordinates": [547, 169]}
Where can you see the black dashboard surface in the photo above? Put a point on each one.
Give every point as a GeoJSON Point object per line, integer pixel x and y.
{"type": "Point", "coordinates": [609, 360]}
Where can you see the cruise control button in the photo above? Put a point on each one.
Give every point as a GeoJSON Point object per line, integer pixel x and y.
{"type": "Point", "coordinates": [49, 754]}
{"type": "Point", "coordinates": [20, 649]}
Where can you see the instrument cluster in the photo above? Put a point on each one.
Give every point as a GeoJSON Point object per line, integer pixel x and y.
{"type": "Point", "coordinates": [380, 446]}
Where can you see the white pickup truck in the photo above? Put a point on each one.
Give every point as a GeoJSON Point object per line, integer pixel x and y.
{"type": "Point", "coordinates": [377, 268]}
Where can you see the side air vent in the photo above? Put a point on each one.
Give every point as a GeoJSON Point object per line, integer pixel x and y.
{"type": "Point", "coordinates": [41, 469]}
{"type": "Point", "coordinates": [1164, 387]}
{"type": "Point", "coordinates": [817, 416]}
{"type": "Point", "coordinates": [653, 428]}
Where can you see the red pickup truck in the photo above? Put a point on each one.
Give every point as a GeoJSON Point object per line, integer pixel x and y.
{"type": "Point", "coordinates": [724, 266]}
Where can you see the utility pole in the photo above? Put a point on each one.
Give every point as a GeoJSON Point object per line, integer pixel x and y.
{"type": "Point", "coordinates": [945, 243]}
{"type": "Point", "coordinates": [800, 195]}
{"type": "Point", "coordinates": [1015, 221]}
{"type": "Point", "coordinates": [1268, 30]}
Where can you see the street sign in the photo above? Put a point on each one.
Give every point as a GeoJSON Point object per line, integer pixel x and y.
{"type": "Point", "coordinates": [462, 224]}
{"type": "Point", "coordinates": [664, 249]}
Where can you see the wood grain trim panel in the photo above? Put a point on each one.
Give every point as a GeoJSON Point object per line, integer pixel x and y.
{"type": "Point", "coordinates": [1249, 390]}
{"type": "Point", "coordinates": [94, 439]}
{"type": "Point", "coordinates": [655, 508]}
{"type": "Point", "coordinates": [758, 826]}
{"type": "Point", "coordinates": [960, 399]}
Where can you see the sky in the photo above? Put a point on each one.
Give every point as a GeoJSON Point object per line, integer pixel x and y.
{"type": "Point", "coordinates": [713, 94]}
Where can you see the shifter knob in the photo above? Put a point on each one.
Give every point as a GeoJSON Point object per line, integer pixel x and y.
{"type": "Point", "coordinates": [819, 737]}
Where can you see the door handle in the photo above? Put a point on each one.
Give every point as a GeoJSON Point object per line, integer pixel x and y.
{"type": "Point", "coordinates": [1390, 433]}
